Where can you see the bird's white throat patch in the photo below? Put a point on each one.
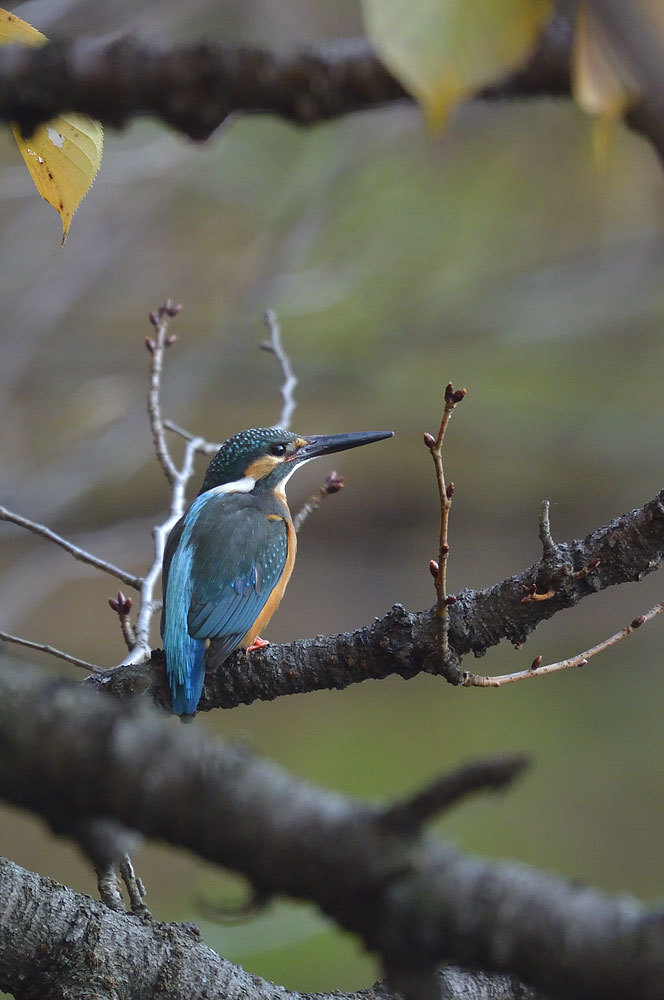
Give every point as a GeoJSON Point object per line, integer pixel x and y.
{"type": "Point", "coordinates": [245, 485]}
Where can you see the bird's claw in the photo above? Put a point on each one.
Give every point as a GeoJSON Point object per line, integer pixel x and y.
{"type": "Point", "coordinates": [258, 643]}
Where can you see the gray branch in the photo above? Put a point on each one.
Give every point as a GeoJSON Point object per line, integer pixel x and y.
{"type": "Point", "coordinates": [55, 942]}
{"type": "Point", "coordinates": [196, 88]}
{"type": "Point", "coordinates": [404, 642]}
{"type": "Point", "coordinates": [412, 899]}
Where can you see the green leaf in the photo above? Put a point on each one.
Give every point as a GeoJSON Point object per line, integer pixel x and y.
{"type": "Point", "coordinates": [442, 51]}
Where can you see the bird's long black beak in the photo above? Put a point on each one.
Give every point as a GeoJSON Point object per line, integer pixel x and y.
{"type": "Point", "coordinates": [327, 444]}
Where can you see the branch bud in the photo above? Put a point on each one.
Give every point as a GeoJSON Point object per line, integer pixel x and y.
{"type": "Point", "coordinates": [434, 568]}
{"type": "Point", "coordinates": [121, 604]}
{"type": "Point", "coordinates": [449, 491]}
{"type": "Point", "coordinates": [429, 440]}
{"type": "Point", "coordinates": [537, 662]}
{"type": "Point", "coordinates": [638, 622]}
{"type": "Point", "coordinates": [154, 319]}
{"type": "Point", "coordinates": [333, 483]}
{"type": "Point", "coordinates": [150, 344]}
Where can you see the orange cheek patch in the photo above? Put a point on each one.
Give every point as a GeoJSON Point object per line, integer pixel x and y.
{"type": "Point", "coordinates": [262, 467]}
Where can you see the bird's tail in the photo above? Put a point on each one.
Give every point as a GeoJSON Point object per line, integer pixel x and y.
{"type": "Point", "coordinates": [186, 673]}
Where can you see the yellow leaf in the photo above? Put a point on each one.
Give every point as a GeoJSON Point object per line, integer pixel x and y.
{"type": "Point", "coordinates": [601, 80]}
{"type": "Point", "coordinates": [443, 51]}
{"type": "Point", "coordinates": [62, 155]}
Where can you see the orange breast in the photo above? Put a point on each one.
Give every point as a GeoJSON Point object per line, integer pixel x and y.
{"type": "Point", "coordinates": [274, 600]}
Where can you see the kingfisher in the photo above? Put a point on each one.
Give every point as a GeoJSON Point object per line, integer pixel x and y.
{"type": "Point", "coordinates": [229, 557]}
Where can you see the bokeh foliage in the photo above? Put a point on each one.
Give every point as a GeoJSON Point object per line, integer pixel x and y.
{"type": "Point", "coordinates": [498, 255]}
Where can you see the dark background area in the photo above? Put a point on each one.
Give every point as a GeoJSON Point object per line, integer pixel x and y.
{"type": "Point", "coordinates": [500, 256]}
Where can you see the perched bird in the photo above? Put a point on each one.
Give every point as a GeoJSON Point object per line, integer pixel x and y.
{"type": "Point", "coordinates": [230, 556]}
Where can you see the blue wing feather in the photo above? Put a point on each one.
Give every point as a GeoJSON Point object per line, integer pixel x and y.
{"type": "Point", "coordinates": [220, 567]}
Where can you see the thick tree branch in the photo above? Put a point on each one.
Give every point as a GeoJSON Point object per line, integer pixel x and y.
{"type": "Point", "coordinates": [412, 899]}
{"type": "Point", "coordinates": [56, 942]}
{"type": "Point", "coordinates": [625, 550]}
{"type": "Point", "coordinates": [194, 88]}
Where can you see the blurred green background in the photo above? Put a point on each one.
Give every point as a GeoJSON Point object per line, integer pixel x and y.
{"type": "Point", "coordinates": [499, 256]}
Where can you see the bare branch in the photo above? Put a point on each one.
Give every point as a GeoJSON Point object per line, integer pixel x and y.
{"type": "Point", "coordinates": [134, 886]}
{"type": "Point", "coordinates": [122, 606]}
{"type": "Point", "coordinates": [204, 448]}
{"type": "Point", "coordinates": [52, 651]}
{"type": "Point", "coordinates": [482, 775]}
{"type": "Point", "coordinates": [438, 569]}
{"type": "Point", "coordinates": [275, 346]}
{"type": "Point", "coordinates": [108, 888]}
{"type": "Point", "coordinates": [39, 529]}
{"type": "Point", "coordinates": [546, 538]}
{"type": "Point", "coordinates": [580, 660]}
{"type": "Point", "coordinates": [117, 955]}
{"type": "Point", "coordinates": [157, 347]}
{"type": "Point", "coordinates": [412, 899]}
{"type": "Point", "coordinates": [402, 642]}
{"type": "Point", "coordinates": [195, 88]}
{"type": "Point", "coordinates": [178, 478]}
{"type": "Point", "coordinates": [140, 652]}
{"type": "Point", "coordinates": [333, 484]}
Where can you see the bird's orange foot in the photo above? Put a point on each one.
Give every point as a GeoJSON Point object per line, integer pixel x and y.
{"type": "Point", "coordinates": [258, 643]}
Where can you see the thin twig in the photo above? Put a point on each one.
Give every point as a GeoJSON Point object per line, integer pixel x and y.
{"type": "Point", "coordinates": [122, 606]}
{"type": "Point", "coordinates": [446, 791]}
{"type": "Point", "coordinates": [564, 575]}
{"type": "Point", "coordinates": [546, 538]}
{"type": "Point", "coordinates": [275, 346]}
{"type": "Point", "coordinates": [39, 529]}
{"type": "Point", "coordinates": [445, 492]}
{"type": "Point", "coordinates": [537, 670]}
{"type": "Point", "coordinates": [333, 484]}
{"type": "Point", "coordinates": [52, 651]}
{"type": "Point", "coordinates": [157, 346]}
{"type": "Point", "coordinates": [205, 448]}
{"type": "Point", "coordinates": [134, 886]}
{"type": "Point", "coordinates": [108, 888]}
{"type": "Point", "coordinates": [148, 605]}
{"type": "Point", "coordinates": [178, 478]}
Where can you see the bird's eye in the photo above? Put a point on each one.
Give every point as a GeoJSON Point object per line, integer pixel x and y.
{"type": "Point", "coordinates": [277, 449]}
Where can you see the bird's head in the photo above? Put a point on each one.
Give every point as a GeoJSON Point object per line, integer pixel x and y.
{"type": "Point", "coordinates": [264, 458]}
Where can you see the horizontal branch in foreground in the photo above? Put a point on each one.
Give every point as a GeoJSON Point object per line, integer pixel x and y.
{"type": "Point", "coordinates": [404, 643]}
{"type": "Point", "coordinates": [194, 88]}
{"type": "Point", "coordinates": [412, 899]}
{"type": "Point", "coordinates": [113, 954]}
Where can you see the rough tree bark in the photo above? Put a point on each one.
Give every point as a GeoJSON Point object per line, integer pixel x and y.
{"type": "Point", "coordinates": [196, 88]}
{"type": "Point", "coordinates": [404, 642]}
{"type": "Point", "coordinates": [412, 899]}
